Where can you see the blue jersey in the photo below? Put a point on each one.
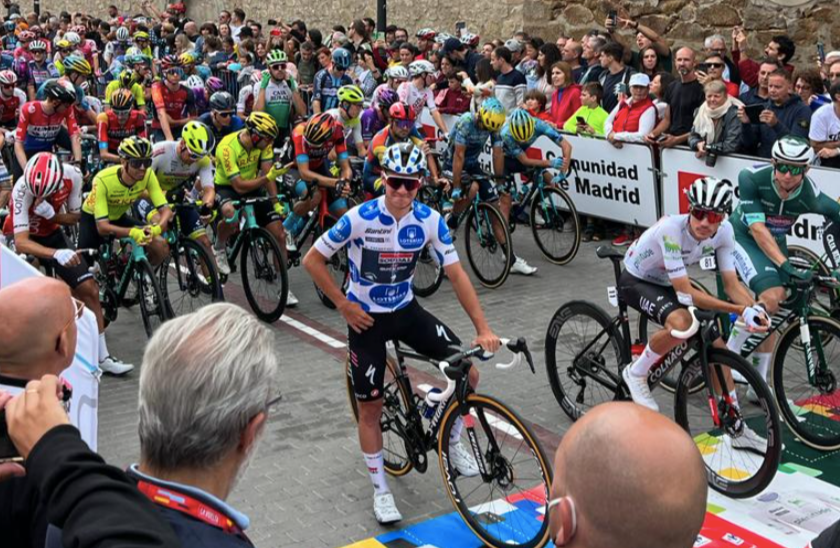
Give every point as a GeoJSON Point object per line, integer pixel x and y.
{"type": "Point", "coordinates": [325, 88]}
{"type": "Point", "coordinates": [466, 132]}
{"type": "Point", "coordinates": [236, 124]}
{"type": "Point", "coordinates": [514, 148]}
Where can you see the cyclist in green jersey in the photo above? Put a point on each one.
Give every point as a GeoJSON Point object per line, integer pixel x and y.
{"type": "Point", "coordinates": [279, 94]}
{"type": "Point", "coordinates": [772, 199]}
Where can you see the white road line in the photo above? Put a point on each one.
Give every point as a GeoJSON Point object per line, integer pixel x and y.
{"type": "Point", "coordinates": [312, 332]}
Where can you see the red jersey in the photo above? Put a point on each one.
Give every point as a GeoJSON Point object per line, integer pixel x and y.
{"type": "Point", "coordinates": [38, 130]}
{"type": "Point", "coordinates": [176, 103]}
{"type": "Point", "coordinates": [110, 133]}
{"type": "Point", "coordinates": [317, 157]}
{"type": "Point", "coordinates": [10, 108]}
{"type": "Point", "coordinates": [23, 217]}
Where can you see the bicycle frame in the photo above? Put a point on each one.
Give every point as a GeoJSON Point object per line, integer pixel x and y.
{"type": "Point", "coordinates": [250, 223]}
{"type": "Point", "coordinates": [137, 254]}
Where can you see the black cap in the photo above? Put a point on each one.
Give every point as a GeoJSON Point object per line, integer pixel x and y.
{"type": "Point", "coordinates": [452, 44]}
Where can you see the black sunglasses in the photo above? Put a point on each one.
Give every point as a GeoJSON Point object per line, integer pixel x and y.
{"type": "Point", "coordinates": [140, 164]}
{"type": "Point", "coordinates": [224, 114]}
{"type": "Point", "coordinates": [409, 184]}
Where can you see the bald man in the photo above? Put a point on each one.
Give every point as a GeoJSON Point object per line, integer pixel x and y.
{"type": "Point", "coordinates": [626, 476]}
{"type": "Point", "coordinates": [684, 97]}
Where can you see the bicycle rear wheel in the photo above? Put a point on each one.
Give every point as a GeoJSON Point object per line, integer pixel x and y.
{"type": "Point", "coordinates": [503, 502]}
{"type": "Point", "coordinates": [153, 307]}
{"type": "Point", "coordinates": [489, 258]}
{"type": "Point", "coordinates": [395, 405]}
{"type": "Point", "coordinates": [428, 274]}
{"type": "Point", "coordinates": [188, 277]}
{"type": "Point", "coordinates": [582, 354]}
{"type": "Point", "coordinates": [555, 225]}
{"type": "Point", "coordinates": [264, 276]}
{"type": "Point", "coordinates": [741, 444]}
{"type": "Point", "coordinates": [809, 402]}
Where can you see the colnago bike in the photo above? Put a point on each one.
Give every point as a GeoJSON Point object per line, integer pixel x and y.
{"type": "Point", "coordinates": [503, 504]}
{"type": "Point", "coordinates": [740, 440]}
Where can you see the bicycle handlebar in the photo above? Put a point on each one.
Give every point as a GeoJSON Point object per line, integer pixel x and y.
{"type": "Point", "coordinates": [692, 329]}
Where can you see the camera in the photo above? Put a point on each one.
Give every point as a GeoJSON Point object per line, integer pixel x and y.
{"type": "Point", "coordinates": [712, 152]}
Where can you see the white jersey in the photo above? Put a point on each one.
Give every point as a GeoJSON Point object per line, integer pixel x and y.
{"type": "Point", "coordinates": [383, 252]}
{"type": "Point", "coordinates": [171, 171]}
{"type": "Point", "coordinates": [417, 98]}
{"type": "Point", "coordinates": [352, 128]}
{"type": "Point", "coordinates": [24, 218]}
{"type": "Point", "coordinates": [666, 248]}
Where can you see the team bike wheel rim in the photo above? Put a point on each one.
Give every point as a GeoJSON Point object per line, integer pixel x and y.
{"type": "Point", "coordinates": [489, 258]}
{"type": "Point", "coordinates": [555, 226]}
{"type": "Point", "coordinates": [152, 306]}
{"type": "Point", "coordinates": [264, 276]}
{"type": "Point", "coordinates": [189, 279]}
{"type": "Point", "coordinates": [427, 273]}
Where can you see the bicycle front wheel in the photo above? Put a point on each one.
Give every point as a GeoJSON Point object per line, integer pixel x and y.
{"type": "Point", "coordinates": [188, 277]}
{"type": "Point", "coordinates": [488, 245]}
{"type": "Point", "coordinates": [513, 477]}
{"type": "Point", "coordinates": [428, 274]}
{"type": "Point", "coordinates": [826, 298]}
{"type": "Point", "coordinates": [807, 391]}
{"type": "Point", "coordinates": [153, 307]}
{"type": "Point", "coordinates": [555, 225]}
{"type": "Point", "coordinates": [741, 442]}
{"type": "Point", "coordinates": [264, 276]}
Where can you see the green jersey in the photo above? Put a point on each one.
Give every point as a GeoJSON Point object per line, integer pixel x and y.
{"type": "Point", "coordinates": [278, 102]}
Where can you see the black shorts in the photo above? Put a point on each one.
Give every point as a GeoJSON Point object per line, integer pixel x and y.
{"type": "Point", "coordinates": [89, 237]}
{"type": "Point", "coordinates": [412, 325]}
{"type": "Point", "coordinates": [655, 301]}
{"type": "Point", "coordinates": [264, 210]}
{"type": "Point", "coordinates": [74, 276]}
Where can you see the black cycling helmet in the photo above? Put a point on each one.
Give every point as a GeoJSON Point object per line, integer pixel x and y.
{"type": "Point", "coordinates": [222, 100]}
{"type": "Point", "coordinates": [60, 91]}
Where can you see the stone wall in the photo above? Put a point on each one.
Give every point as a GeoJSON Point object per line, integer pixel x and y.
{"type": "Point", "coordinates": [681, 21]}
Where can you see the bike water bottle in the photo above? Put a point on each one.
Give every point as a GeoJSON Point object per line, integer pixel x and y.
{"type": "Point", "coordinates": [430, 406]}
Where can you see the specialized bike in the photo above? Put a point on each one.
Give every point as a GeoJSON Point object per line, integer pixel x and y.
{"type": "Point", "coordinates": [740, 440]}
{"type": "Point", "coordinates": [514, 470]}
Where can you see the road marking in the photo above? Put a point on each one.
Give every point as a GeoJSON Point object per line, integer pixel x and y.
{"type": "Point", "coordinates": [312, 332]}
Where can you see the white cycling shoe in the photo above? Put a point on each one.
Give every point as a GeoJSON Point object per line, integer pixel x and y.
{"type": "Point", "coordinates": [291, 300]}
{"type": "Point", "coordinates": [221, 261]}
{"type": "Point", "coordinates": [290, 242]}
{"type": "Point", "coordinates": [519, 266]}
{"type": "Point", "coordinates": [749, 440]}
{"type": "Point", "coordinates": [115, 366]}
{"type": "Point", "coordinates": [462, 460]}
{"type": "Point", "coordinates": [385, 509]}
{"type": "Point", "coordinates": [639, 389]}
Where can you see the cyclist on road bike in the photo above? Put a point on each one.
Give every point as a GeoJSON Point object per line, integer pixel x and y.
{"type": "Point", "coordinates": [36, 219]}
{"type": "Point", "coordinates": [772, 199]}
{"type": "Point", "coordinates": [11, 99]}
{"type": "Point", "coordinates": [38, 70]}
{"type": "Point", "coordinates": [519, 134]}
{"type": "Point", "coordinates": [203, 90]}
{"type": "Point", "coordinates": [328, 80]}
{"type": "Point", "coordinates": [221, 118]}
{"type": "Point", "coordinates": [278, 95]}
{"type": "Point", "coordinates": [347, 113]}
{"type": "Point", "coordinates": [375, 117]}
{"type": "Point", "coordinates": [417, 93]}
{"type": "Point", "coordinates": [174, 102]}
{"type": "Point", "coordinates": [655, 280]}
{"type": "Point", "coordinates": [106, 209]}
{"type": "Point", "coordinates": [394, 77]}
{"type": "Point", "coordinates": [127, 80]}
{"type": "Point", "coordinates": [114, 125]}
{"type": "Point", "coordinates": [76, 70]}
{"type": "Point", "coordinates": [388, 235]}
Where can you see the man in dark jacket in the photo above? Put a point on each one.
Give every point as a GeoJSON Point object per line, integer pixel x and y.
{"type": "Point", "coordinates": [784, 114]}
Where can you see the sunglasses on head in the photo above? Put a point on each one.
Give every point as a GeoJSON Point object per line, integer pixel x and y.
{"type": "Point", "coordinates": [396, 182]}
{"type": "Point", "coordinates": [712, 216]}
{"type": "Point", "coordinates": [140, 164]}
{"type": "Point", "coordinates": [793, 169]}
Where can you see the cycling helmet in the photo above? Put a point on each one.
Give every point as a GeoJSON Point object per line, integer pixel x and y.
{"type": "Point", "coordinates": [26, 36]}
{"type": "Point", "coordinates": [123, 34]}
{"type": "Point", "coordinates": [470, 40]}
{"type": "Point", "coordinates": [492, 114]}
{"type": "Point", "coordinates": [198, 138]}
{"type": "Point", "coordinates": [214, 84]}
{"type": "Point", "coordinates": [8, 77]}
{"type": "Point", "coordinates": [222, 100]}
{"type": "Point", "coordinates": [38, 45]}
{"type": "Point", "coordinates": [256, 77]}
{"type": "Point", "coordinates": [522, 125]}
{"type": "Point", "coordinates": [442, 37]}
{"type": "Point", "coordinates": [127, 79]}
{"type": "Point", "coordinates": [341, 59]}
{"type": "Point", "coordinates": [402, 111]}
{"type": "Point", "coordinates": [426, 34]}
{"type": "Point", "coordinates": [43, 174]}
{"type": "Point", "coordinates": [419, 68]}
{"type": "Point", "coordinates": [75, 63]}
{"type": "Point", "coordinates": [122, 99]}
{"type": "Point", "coordinates": [73, 38]}
{"type": "Point", "coordinates": [60, 90]}
{"type": "Point", "coordinates": [134, 59]}
{"type": "Point", "coordinates": [404, 159]}
{"type": "Point", "coordinates": [194, 81]}
{"type": "Point", "coordinates": [276, 56]}
{"type": "Point", "coordinates": [711, 193]}
{"type": "Point", "coordinates": [385, 97]}
{"type": "Point", "coordinates": [319, 129]}
{"type": "Point", "coordinates": [132, 51]}
{"type": "Point", "coordinates": [793, 150]}
{"type": "Point", "coordinates": [141, 35]}
{"type": "Point", "coordinates": [351, 94]}
{"type": "Point", "coordinates": [262, 124]}
{"type": "Point", "coordinates": [135, 148]}
{"type": "Point", "coordinates": [187, 58]}
{"type": "Point", "coordinates": [9, 26]}
{"type": "Point", "coordinates": [397, 72]}
{"type": "Point", "coordinates": [170, 61]}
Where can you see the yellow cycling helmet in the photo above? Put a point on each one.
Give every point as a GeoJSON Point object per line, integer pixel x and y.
{"type": "Point", "coordinates": [522, 125]}
{"type": "Point", "coordinates": [351, 94]}
{"type": "Point", "coordinates": [198, 138]}
{"type": "Point", "coordinates": [135, 148]}
{"type": "Point", "coordinates": [187, 58]}
{"type": "Point", "coordinates": [77, 64]}
{"type": "Point", "coordinates": [492, 114]}
{"type": "Point", "coordinates": [262, 124]}
{"type": "Point", "coordinates": [141, 35]}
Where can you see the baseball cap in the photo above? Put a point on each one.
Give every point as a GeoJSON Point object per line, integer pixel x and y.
{"type": "Point", "coordinates": [452, 44]}
{"type": "Point", "coordinates": [513, 45]}
{"type": "Point", "coordinates": [639, 79]}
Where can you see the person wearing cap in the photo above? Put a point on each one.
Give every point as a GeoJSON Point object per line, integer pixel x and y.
{"type": "Point", "coordinates": [515, 47]}
{"type": "Point", "coordinates": [465, 56]}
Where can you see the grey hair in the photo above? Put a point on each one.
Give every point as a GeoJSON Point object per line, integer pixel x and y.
{"type": "Point", "coordinates": [707, 43]}
{"type": "Point", "coordinates": [205, 375]}
{"type": "Point", "coordinates": [715, 86]}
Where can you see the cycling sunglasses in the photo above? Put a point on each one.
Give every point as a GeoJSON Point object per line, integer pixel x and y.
{"type": "Point", "coordinates": [281, 66]}
{"type": "Point", "coordinates": [713, 217]}
{"type": "Point", "coordinates": [404, 124]}
{"type": "Point", "coordinates": [224, 113]}
{"type": "Point", "coordinates": [408, 183]}
{"type": "Point", "coordinates": [194, 156]}
{"type": "Point", "coordinates": [140, 164]}
{"type": "Point", "coordinates": [793, 169]}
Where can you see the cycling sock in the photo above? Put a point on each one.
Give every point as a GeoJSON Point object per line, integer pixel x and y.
{"type": "Point", "coordinates": [455, 432]}
{"type": "Point", "coordinates": [733, 395]}
{"type": "Point", "coordinates": [376, 468]}
{"type": "Point", "coordinates": [643, 364]}
{"type": "Point", "coordinates": [737, 337]}
{"type": "Point", "coordinates": [103, 348]}
{"type": "Point", "coordinates": [761, 361]}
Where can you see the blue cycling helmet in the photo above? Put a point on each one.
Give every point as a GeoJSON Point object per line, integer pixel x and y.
{"type": "Point", "coordinates": [341, 59]}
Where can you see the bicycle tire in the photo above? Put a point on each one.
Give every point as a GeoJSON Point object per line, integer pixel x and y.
{"type": "Point", "coordinates": [189, 271]}
{"type": "Point", "coordinates": [565, 374]}
{"type": "Point", "coordinates": [713, 441]}
{"type": "Point", "coordinates": [152, 303]}
{"type": "Point", "coordinates": [802, 416]}
{"type": "Point", "coordinates": [827, 298]}
{"type": "Point", "coordinates": [265, 303]}
{"type": "Point", "coordinates": [512, 437]}
{"type": "Point", "coordinates": [395, 405]}
{"type": "Point", "coordinates": [479, 225]}
{"type": "Point", "coordinates": [546, 217]}
{"type": "Point", "coordinates": [428, 274]}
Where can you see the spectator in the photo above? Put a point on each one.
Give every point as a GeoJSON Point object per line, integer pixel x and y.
{"type": "Point", "coordinates": [784, 114]}
{"type": "Point", "coordinates": [649, 62]}
{"type": "Point", "coordinates": [714, 71]}
{"type": "Point", "coordinates": [759, 93]}
{"type": "Point", "coordinates": [487, 50]}
{"type": "Point", "coordinates": [484, 87]}
{"type": "Point", "coordinates": [572, 53]}
{"type": "Point", "coordinates": [595, 501]}
{"type": "Point", "coordinates": [825, 130]}
{"type": "Point", "coordinates": [646, 37]}
{"type": "Point", "coordinates": [514, 45]}
{"type": "Point", "coordinates": [237, 23]}
{"type": "Point", "coordinates": [716, 44]}
{"type": "Point", "coordinates": [833, 74]}
{"type": "Point", "coordinates": [462, 55]}
{"type": "Point", "coordinates": [716, 121]}
{"type": "Point", "coordinates": [447, 69]}
{"type": "Point", "coordinates": [658, 85]}
{"type": "Point", "coordinates": [548, 56]}
{"type": "Point", "coordinates": [510, 83]}
{"type": "Point", "coordinates": [528, 63]}
{"type": "Point", "coordinates": [407, 53]}
{"type": "Point", "coordinates": [615, 76]}
{"type": "Point", "coordinates": [683, 97]}
{"type": "Point", "coordinates": [535, 104]}
{"type": "Point", "coordinates": [453, 100]}
{"type": "Point", "coordinates": [566, 97]}
{"type": "Point", "coordinates": [592, 46]}
{"type": "Point", "coordinates": [207, 385]}
{"type": "Point", "coordinates": [810, 88]}
{"type": "Point", "coordinates": [780, 47]}
{"type": "Point", "coordinates": [590, 112]}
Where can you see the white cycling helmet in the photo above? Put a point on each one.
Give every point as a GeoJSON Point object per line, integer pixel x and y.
{"type": "Point", "coordinates": [194, 81]}
{"type": "Point", "coordinates": [397, 72]}
{"type": "Point", "coordinates": [404, 159]}
{"type": "Point", "coordinates": [73, 38]}
{"type": "Point", "coordinates": [711, 193]}
{"type": "Point", "coordinates": [419, 68]}
{"type": "Point", "coordinates": [793, 150]}
{"type": "Point", "coordinates": [123, 35]}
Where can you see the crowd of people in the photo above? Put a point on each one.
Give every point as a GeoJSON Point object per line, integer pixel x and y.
{"type": "Point", "coordinates": [105, 116]}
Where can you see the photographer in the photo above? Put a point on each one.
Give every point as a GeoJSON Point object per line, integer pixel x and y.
{"type": "Point", "coordinates": [716, 128]}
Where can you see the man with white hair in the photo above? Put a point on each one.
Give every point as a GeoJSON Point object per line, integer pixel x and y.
{"type": "Point", "coordinates": [716, 45]}
{"type": "Point", "coordinates": [207, 383]}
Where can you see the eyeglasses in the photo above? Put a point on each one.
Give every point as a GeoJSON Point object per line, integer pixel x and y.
{"type": "Point", "coordinates": [140, 163]}
{"type": "Point", "coordinates": [396, 182]}
{"type": "Point", "coordinates": [7, 86]}
{"type": "Point", "coordinates": [78, 312]}
{"type": "Point", "coordinates": [715, 65]}
{"type": "Point", "coordinates": [404, 124]}
{"type": "Point", "coordinates": [37, 51]}
{"type": "Point", "coordinates": [224, 114]}
{"type": "Point", "coordinates": [278, 66]}
{"type": "Point", "coordinates": [793, 169]}
{"type": "Point", "coordinates": [712, 216]}
{"type": "Point", "coordinates": [194, 155]}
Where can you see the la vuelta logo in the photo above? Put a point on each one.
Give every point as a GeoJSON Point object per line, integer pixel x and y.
{"type": "Point", "coordinates": [684, 180]}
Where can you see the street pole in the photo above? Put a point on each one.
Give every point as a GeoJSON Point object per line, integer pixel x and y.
{"type": "Point", "coordinates": [381, 15]}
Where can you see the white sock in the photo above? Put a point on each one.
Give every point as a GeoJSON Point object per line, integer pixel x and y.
{"type": "Point", "coordinates": [733, 395]}
{"type": "Point", "coordinates": [643, 364]}
{"type": "Point", "coordinates": [761, 361]}
{"type": "Point", "coordinates": [737, 337]}
{"type": "Point", "coordinates": [376, 468]}
{"type": "Point", "coordinates": [103, 348]}
{"type": "Point", "coordinates": [455, 433]}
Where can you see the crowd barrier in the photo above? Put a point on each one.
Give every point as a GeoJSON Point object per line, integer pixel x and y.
{"type": "Point", "coordinates": [83, 374]}
{"type": "Point", "coordinates": [637, 184]}
{"type": "Point", "coordinates": [230, 79]}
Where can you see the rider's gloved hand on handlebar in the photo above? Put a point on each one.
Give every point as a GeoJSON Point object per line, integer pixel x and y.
{"type": "Point", "coordinates": [557, 163]}
{"type": "Point", "coordinates": [456, 193]}
{"type": "Point", "coordinates": [788, 272]}
{"type": "Point", "coordinates": [280, 209]}
{"type": "Point", "coordinates": [277, 170]}
{"type": "Point", "coordinates": [45, 210]}
{"type": "Point", "coordinates": [139, 235]}
{"type": "Point", "coordinates": [66, 257]}
{"type": "Point", "coordinates": [756, 317]}
{"type": "Point", "coordinates": [155, 230]}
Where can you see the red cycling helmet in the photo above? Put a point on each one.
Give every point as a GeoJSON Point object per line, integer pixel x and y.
{"type": "Point", "coordinates": [402, 111]}
{"type": "Point", "coordinates": [43, 174]}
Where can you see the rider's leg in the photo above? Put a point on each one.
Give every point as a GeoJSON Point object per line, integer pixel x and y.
{"type": "Point", "coordinates": [225, 229]}
{"type": "Point", "coordinates": [157, 250]}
